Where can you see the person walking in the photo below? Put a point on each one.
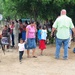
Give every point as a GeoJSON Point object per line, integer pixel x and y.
{"type": "Point", "coordinates": [30, 39]}
{"type": "Point", "coordinates": [21, 49]}
{"type": "Point", "coordinates": [62, 24]}
{"type": "Point", "coordinates": [4, 39]}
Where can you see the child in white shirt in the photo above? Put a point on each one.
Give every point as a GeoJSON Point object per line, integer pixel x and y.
{"type": "Point", "coordinates": [42, 41]}
{"type": "Point", "coordinates": [21, 49]}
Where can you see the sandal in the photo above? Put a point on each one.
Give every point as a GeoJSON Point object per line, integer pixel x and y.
{"type": "Point", "coordinates": [34, 56]}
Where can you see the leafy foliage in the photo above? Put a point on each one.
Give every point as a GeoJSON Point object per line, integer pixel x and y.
{"type": "Point", "coordinates": [43, 9]}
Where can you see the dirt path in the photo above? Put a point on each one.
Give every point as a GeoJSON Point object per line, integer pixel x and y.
{"type": "Point", "coordinates": [43, 65]}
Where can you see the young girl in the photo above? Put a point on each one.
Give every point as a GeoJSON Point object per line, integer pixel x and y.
{"type": "Point", "coordinates": [42, 38]}
{"type": "Point", "coordinates": [39, 33]}
{"type": "Point", "coordinates": [21, 49]}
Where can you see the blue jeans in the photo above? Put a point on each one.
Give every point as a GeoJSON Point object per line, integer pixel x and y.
{"type": "Point", "coordinates": [20, 55]}
{"type": "Point", "coordinates": [59, 43]}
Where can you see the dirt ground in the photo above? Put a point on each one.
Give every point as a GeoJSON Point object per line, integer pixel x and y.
{"type": "Point", "coordinates": [43, 65]}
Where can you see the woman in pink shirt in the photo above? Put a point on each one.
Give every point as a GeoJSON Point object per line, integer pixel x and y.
{"type": "Point", "coordinates": [30, 38]}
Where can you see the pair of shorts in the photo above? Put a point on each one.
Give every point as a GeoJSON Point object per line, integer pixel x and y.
{"type": "Point", "coordinates": [31, 44]}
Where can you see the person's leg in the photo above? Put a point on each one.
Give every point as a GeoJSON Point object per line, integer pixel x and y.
{"type": "Point", "coordinates": [27, 47]}
{"type": "Point", "coordinates": [22, 53]}
{"type": "Point", "coordinates": [13, 40]}
{"type": "Point", "coordinates": [20, 56]}
{"type": "Point", "coordinates": [28, 53]}
{"type": "Point", "coordinates": [43, 46]}
{"type": "Point", "coordinates": [3, 48]}
{"type": "Point", "coordinates": [65, 43]}
{"type": "Point", "coordinates": [58, 46]}
{"type": "Point", "coordinates": [41, 52]}
{"type": "Point", "coordinates": [6, 47]}
{"type": "Point", "coordinates": [8, 43]}
{"type": "Point", "coordinates": [34, 48]}
{"type": "Point", "coordinates": [33, 52]}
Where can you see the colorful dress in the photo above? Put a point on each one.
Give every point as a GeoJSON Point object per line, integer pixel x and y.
{"type": "Point", "coordinates": [42, 44]}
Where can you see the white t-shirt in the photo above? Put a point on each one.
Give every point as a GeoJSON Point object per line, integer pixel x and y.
{"type": "Point", "coordinates": [21, 46]}
{"type": "Point", "coordinates": [43, 34]}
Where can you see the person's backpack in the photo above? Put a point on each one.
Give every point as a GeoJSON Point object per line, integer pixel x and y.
{"type": "Point", "coordinates": [74, 50]}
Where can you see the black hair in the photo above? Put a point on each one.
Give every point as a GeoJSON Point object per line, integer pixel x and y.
{"type": "Point", "coordinates": [40, 27]}
{"type": "Point", "coordinates": [12, 22]}
{"type": "Point", "coordinates": [16, 21]}
{"type": "Point", "coordinates": [21, 39]}
{"type": "Point", "coordinates": [5, 25]}
{"type": "Point", "coordinates": [20, 20]}
{"type": "Point", "coordinates": [32, 21]}
{"type": "Point", "coordinates": [26, 22]}
{"type": "Point", "coordinates": [44, 27]}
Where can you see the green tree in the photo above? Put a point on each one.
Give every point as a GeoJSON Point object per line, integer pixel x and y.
{"type": "Point", "coordinates": [43, 9]}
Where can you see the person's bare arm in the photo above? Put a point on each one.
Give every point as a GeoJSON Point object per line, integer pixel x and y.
{"type": "Point", "coordinates": [26, 34]}
{"type": "Point", "coordinates": [73, 29]}
{"type": "Point", "coordinates": [53, 29]}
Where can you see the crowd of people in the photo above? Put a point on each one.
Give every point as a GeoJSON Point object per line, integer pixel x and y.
{"type": "Point", "coordinates": [23, 36]}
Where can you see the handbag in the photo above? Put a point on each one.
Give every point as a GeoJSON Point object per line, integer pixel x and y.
{"type": "Point", "coordinates": [4, 41]}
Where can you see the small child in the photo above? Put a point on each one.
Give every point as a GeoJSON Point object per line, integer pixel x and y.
{"type": "Point", "coordinates": [39, 34]}
{"type": "Point", "coordinates": [21, 49]}
{"type": "Point", "coordinates": [42, 39]}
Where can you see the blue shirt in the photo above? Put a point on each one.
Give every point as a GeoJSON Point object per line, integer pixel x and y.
{"type": "Point", "coordinates": [39, 34]}
{"type": "Point", "coordinates": [24, 35]}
